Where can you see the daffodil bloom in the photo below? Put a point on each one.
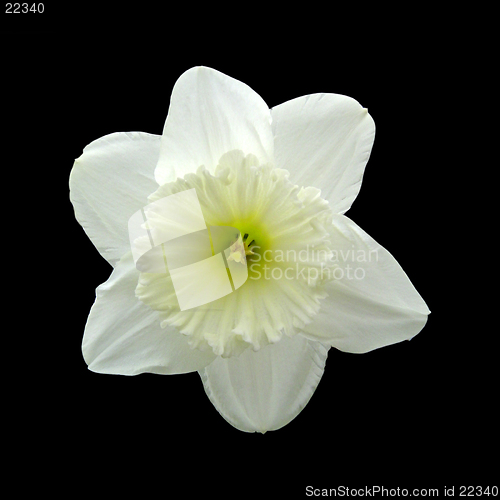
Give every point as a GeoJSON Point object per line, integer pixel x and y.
{"type": "Point", "coordinates": [283, 179]}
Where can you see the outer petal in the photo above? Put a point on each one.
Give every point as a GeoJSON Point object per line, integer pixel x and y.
{"type": "Point", "coordinates": [108, 183]}
{"type": "Point", "coordinates": [123, 335]}
{"type": "Point", "coordinates": [371, 301]}
{"type": "Point", "coordinates": [264, 390]}
{"type": "Point", "coordinates": [324, 140]}
{"type": "Point", "coordinates": [211, 114]}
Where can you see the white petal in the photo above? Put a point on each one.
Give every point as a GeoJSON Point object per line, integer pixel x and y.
{"type": "Point", "coordinates": [123, 335]}
{"type": "Point", "coordinates": [108, 183]}
{"type": "Point", "coordinates": [211, 114]}
{"type": "Point", "coordinates": [371, 301]}
{"type": "Point", "coordinates": [264, 390]}
{"type": "Point", "coordinates": [324, 140]}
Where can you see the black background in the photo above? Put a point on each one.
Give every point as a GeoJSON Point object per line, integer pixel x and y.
{"type": "Point", "coordinates": [416, 414]}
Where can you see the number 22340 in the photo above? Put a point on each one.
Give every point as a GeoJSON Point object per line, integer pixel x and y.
{"type": "Point", "coordinates": [24, 8]}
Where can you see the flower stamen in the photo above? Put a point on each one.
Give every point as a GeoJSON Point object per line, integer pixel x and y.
{"type": "Point", "coordinates": [237, 249]}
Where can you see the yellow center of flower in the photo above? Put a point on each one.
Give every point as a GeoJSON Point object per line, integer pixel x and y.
{"type": "Point", "coordinates": [283, 241]}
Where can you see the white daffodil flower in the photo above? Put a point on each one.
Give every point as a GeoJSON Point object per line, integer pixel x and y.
{"type": "Point", "coordinates": [283, 179]}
